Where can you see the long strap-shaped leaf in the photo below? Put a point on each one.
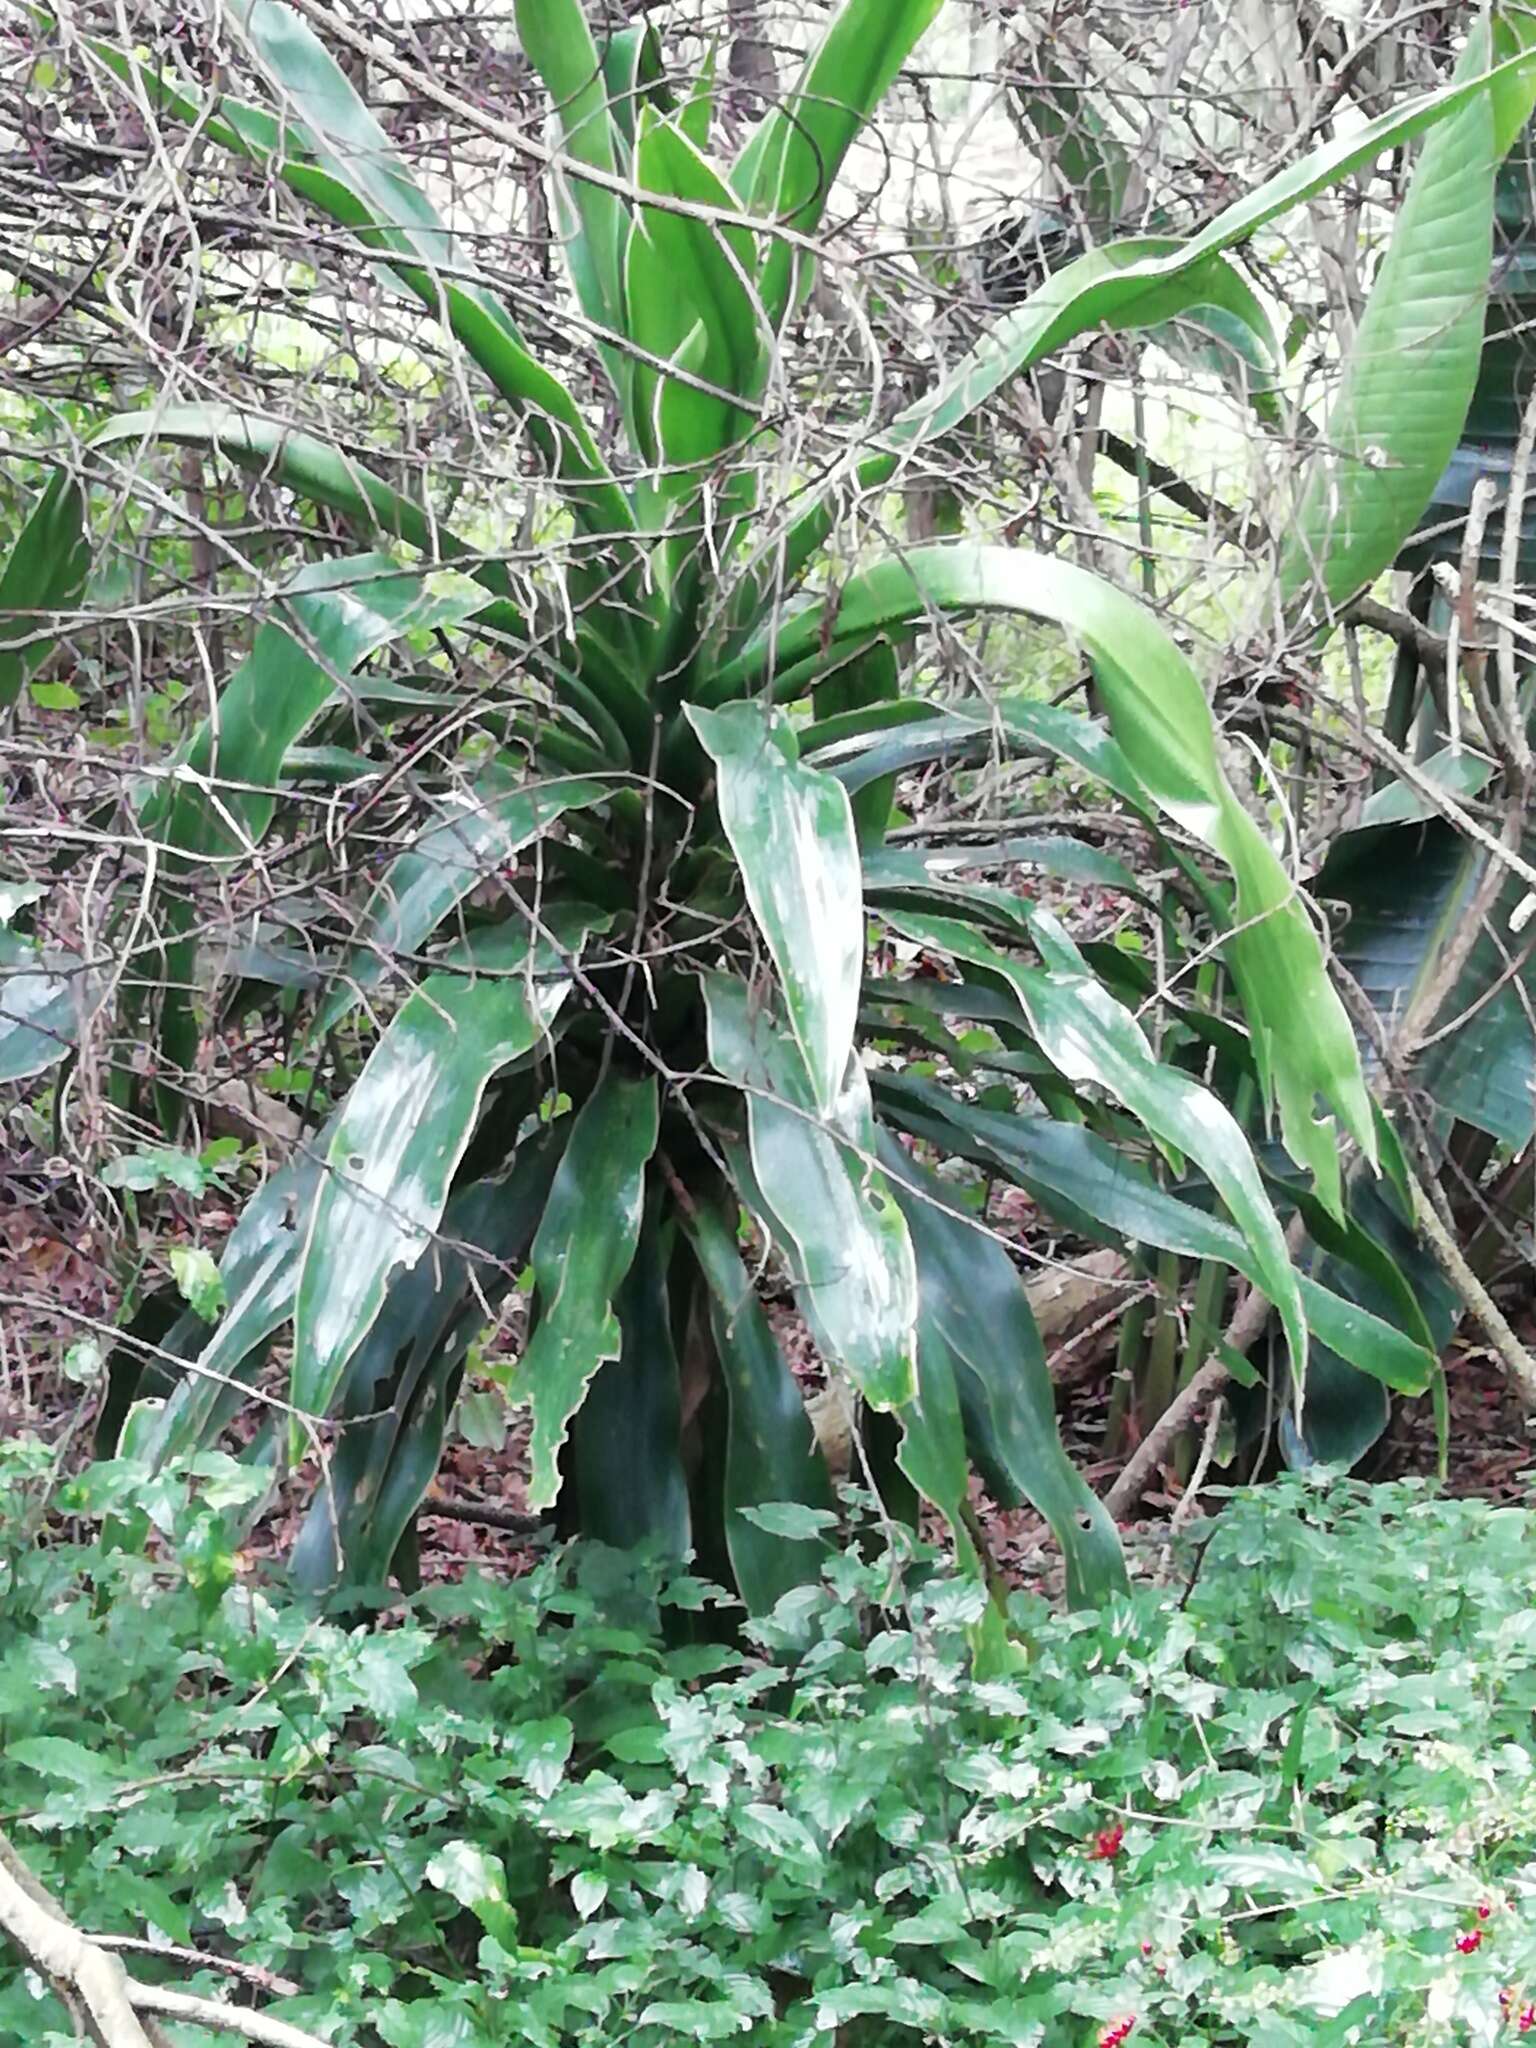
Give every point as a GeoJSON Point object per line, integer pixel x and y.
{"type": "Point", "coordinates": [402, 1134]}
{"type": "Point", "coordinates": [44, 572]}
{"type": "Point", "coordinates": [976, 1317]}
{"type": "Point", "coordinates": [787, 169]}
{"type": "Point", "coordinates": [1410, 371]}
{"type": "Point", "coordinates": [582, 1252]}
{"type": "Point", "coordinates": [558, 43]}
{"type": "Point", "coordinates": [440, 868]}
{"type": "Point", "coordinates": [1303, 1044]}
{"type": "Point", "coordinates": [1089, 1037]}
{"type": "Point", "coordinates": [792, 832]}
{"type": "Point", "coordinates": [849, 1249]}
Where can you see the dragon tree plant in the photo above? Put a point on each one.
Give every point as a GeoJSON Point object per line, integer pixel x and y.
{"type": "Point", "coordinates": [615, 995]}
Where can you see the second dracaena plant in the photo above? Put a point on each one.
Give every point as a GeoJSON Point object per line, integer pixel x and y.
{"type": "Point", "coordinates": [597, 1080]}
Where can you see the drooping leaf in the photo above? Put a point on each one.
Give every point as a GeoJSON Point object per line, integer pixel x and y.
{"type": "Point", "coordinates": [976, 1314]}
{"type": "Point", "coordinates": [584, 1248]}
{"type": "Point", "coordinates": [626, 1450]}
{"type": "Point", "coordinates": [448, 860]}
{"type": "Point", "coordinates": [787, 170]}
{"type": "Point", "coordinates": [398, 1388]}
{"type": "Point", "coordinates": [1091, 1038]}
{"type": "Point", "coordinates": [688, 286]}
{"type": "Point", "coordinates": [792, 832]}
{"type": "Point", "coordinates": [1413, 362]}
{"type": "Point", "coordinates": [402, 1133]}
{"type": "Point", "coordinates": [829, 1203]}
{"type": "Point", "coordinates": [1303, 1045]}
{"type": "Point", "coordinates": [44, 572]}
{"type": "Point", "coordinates": [771, 1454]}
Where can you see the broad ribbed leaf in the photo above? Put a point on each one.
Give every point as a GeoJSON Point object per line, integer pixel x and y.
{"type": "Point", "coordinates": [787, 170]}
{"type": "Point", "coordinates": [584, 1248]}
{"type": "Point", "coordinates": [401, 1135]}
{"type": "Point", "coordinates": [770, 1453]}
{"type": "Point", "coordinates": [335, 614]}
{"type": "Point", "coordinates": [1411, 368]}
{"type": "Point", "coordinates": [792, 833]}
{"type": "Point", "coordinates": [39, 1012]}
{"type": "Point", "coordinates": [558, 43]}
{"type": "Point", "coordinates": [975, 1315]}
{"type": "Point", "coordinates": [690, 302]}
{"type": "Point", "coordinates": [440, 869]}
{"type": "Point", "coordinates": [830, 1205]}
{"type": "Point", "coordinates": [399, 1387]}
{"type": "Point", "coordinates": [317, 470]}
{"type": "Point", "coordinates": [1096, 1190]}
{"type": "Point", "coordinates": [1303, 1045]}
{"type": "Point", "coordinates": [1090, 1038]}
{"type": "Point", "coordinates": [44, 572]}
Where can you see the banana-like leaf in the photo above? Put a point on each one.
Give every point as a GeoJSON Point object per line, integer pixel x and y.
{"type": "Point", "coordinates": [626, 1449]}
{"type": "Point", "coordinates": [688, 285]}
{"type": "Point", "coordinates": [398, 1388]}
{"type": "Point", "coordinates": [1410, 372]}
{"type": "Point", "coordinates": [220, 799]}
{"type": "Point", "coordinates": [1303, 1045]}
{"type": "Point", "coordinates": [787, 170]}
{"type": "Point", "coordinates": [792, 832]}
{"type": "Point", "coordinates": [402, 1133]}
{"type": "Point", "coordinates": [1089, 1037]}
{"type": "Point", "coordinates": [976, 1316]}
{"type": "Point", "coordinates": [39, 1010]}
{"type": "Point", "coordinates": [44, 572]}
{"type": "Point", "coordinates": [585, 1246]}
{"type": "Point", "coordinates": [1093, 1188]}
{"type": "Point", "coordinates": [771, 1453]}
{"type": "Point", "coordinates": [440, 868]}
{"type": "Point", "coordinates": [318, 470]}
{"type": "Point", "coordinates": [830, 1205]}
{"type": "Point", "coordinates": [558, 43]}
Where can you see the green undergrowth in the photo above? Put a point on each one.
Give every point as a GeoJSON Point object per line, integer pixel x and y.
{"type": "Point", "coordinates": [1286, 1800]}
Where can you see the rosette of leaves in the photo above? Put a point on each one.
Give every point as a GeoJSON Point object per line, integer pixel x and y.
{"type": "Point", "coordinates": [615, 1008]}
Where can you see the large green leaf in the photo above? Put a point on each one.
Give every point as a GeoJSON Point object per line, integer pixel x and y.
{"type": "Point", "coordinates": [771, 1453]}
{"type": "Point", "coordinates": [688, 286]}
{"type": "Point", "coordinates": [440, 868]}
{"type": "Point", "coordinates": [1098, 1190]}
{"type": "Point", "coordinates": [829, 1204]}
{"type": "Point", "coordinates": [787, 170]}
{"type": "Point", "coordinates": [1090, 1038]}
{"type": "Point", "coordinates": [584, 1248]}
{"type": "Point", "coordinates": [319, 470]}
{"type": "Point", "coordinates": [39, 1008]}
{"type": "Point", "coordinates": [1410, 370]}
{"type": "Point", "coordinates": [558, 43]}
{"type": "Point", "coordinates": [1303, 1045]}
{"type": "Point", "coordinates": [626, 1454]}
{"type": "Point", "coordinates": [792, 832]}
{"type": "Point", "coordinates": [402, 1133]}
{"type": "Point", "coordinates": [44, 572]}
{"type": "Point", "coordinates": [976, 1316]}
{"type": "Point", "coordinates": [398, 1387]}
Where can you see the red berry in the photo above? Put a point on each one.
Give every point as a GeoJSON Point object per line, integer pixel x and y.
{"type": "Point", "coordinates": [1106, 1844]}
{"type": "Point", "coordinates": [1527, 2019]}
{"type": "Point", "coordinates": [1146, 1948]}
{"type": "Point", "coordinates": [1485, 1911]}
{"type": "Point", "coordinates": [1120, 2031]}
{"type": "Point", "coordinates": [1468, 1942]}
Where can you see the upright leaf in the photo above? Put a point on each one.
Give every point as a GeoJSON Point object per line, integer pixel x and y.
{"type": "Point", "coordinates": [558, 43]}
{"type": "Point", "coordinates": [788, 168]}
{"type": "Point", "coordinates": [1412, 365]}
{"type": "Point", "coordinates": [44, 572]}
{"type": "Point", "coordinates": [583, 1250]}
{"type": "Point", "coordinates": [829, 1204]}
{"type": "Point", "coordinates": [1303, 1045]}
{"type": "Point", "coordinates": [792, 832]}
{"type": "Point", "coordinates": [401, 1135]}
